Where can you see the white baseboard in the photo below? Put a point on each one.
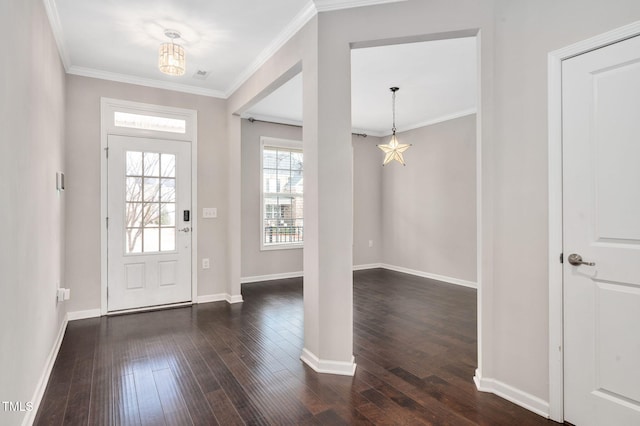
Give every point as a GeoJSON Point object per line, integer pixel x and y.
{"type": "Point", "coordinates": [367, 266]}
{"type": "Point", "coordinates": [450, 280]}
{"type": "Point", "coordinates": [220, 297]}
{"type": "Point", "coordinates": [521, 398]}
{"type": "Point", "coordinates": [78, 315]}
{"type": "Point", "coordinates": [208, 298]}
{"type": "Point", "coordinates": [326, 366]}
{"type": "Point", "coordinates": [429, 275]}
{"type": "Point", "coordinates": [298, 274]}
{"type": "Point", "coordinates": [271, 277]}
{"type": "Point", "coordinates": [234, 298]}
{"type": "Point", "coordinates": [46, 373]}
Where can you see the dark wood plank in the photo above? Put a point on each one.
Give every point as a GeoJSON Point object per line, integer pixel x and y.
{"type": "Point", "coordinates": [414, 343]}
{"type": "Point", "coordinates": [173, 405]}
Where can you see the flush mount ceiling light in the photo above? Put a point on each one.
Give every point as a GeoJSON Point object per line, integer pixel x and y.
{"type": "Point", "coordinates": [171, 60]}
{"type": "Point", "coordinates": [393, 150]}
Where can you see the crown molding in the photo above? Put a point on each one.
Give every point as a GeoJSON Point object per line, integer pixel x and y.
{"type": "Point", "coordinates": [430, 122]}
{"type": "Point", "coordinates": [58, 35]}
{"type": "Point", "coordinates": [148, 82]}
{"type": "Point", "coordinates": [329, 5]}
{"type": "Point", "coordinates": [296, 24]}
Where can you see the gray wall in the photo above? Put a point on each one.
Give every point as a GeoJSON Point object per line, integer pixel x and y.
{"type": "Point", "coordinates": [429, 206]}
{"type": "Point", "coordinates": [32, 211]}
{"type": "Point", "coordinates": [367, 200]}
{"type": "Point", "coordinates": [367, 203]}
{"type": "Point", "coordinates": [83, 177]}
{"type": "Point", "coordinates": [254, 261]}
{"type": "Point", "coordinates": [524, 34]}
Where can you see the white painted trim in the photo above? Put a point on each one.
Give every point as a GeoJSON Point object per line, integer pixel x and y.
{"type": "Point", "coordinates": [30, 416]}
{"type": "Point", "coordinates": [436, 120]}
{"type": "Point", "coordinates": [369, 132]}
{"type": "Point", "coordinates": [147, 82]}
{"type": "Point", "coordinates": [556, 337]}
{"type": "Point", "coordinates": [367, 266]}
{"type": "Point", "coordinates": [271, 277]}
{"type": "Point", "coordinates": [58, 33]}
{"type": "Point", "coordinates": [235, 298]}
{"type": "Point", "coordinates": [430, 122]}
{"type": "Point", "coordinates": [107, 107]}
{"type": "Point", "coordinates": [521, 398]}
{"type": "Point", "coordinates": [296, 24]}
{"type": "Point", "coordinates": [327, 366]}
{"type": "Point", "coordinates": [450, 280]}
{"type": "Point", "coordinates": [80, 315]}
{"type": "Point", "coordinates": [150, 308]}
{"type": "Point", "coordinates": [329, 5]}
{"type": "Point", "coordinates": [480, 203]}
{"type": "Point", "coordinates": [208, 298]}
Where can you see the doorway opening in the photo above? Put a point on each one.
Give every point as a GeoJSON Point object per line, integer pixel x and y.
{"type": "Point", "coordinates": [148, 205]}
{"type": "Point", "coordinates": [428, 221]}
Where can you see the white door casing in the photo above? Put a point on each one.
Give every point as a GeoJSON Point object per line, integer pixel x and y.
{"type": "Point", "coordinates": [601, 222]}
{"type": "Point", "coordinates": [186, 121]}
{"type": "Point", "coordinates": [149, 240]}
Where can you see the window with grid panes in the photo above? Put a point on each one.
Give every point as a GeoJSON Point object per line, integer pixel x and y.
{"type": "Point", "coordinates": [282, 194]}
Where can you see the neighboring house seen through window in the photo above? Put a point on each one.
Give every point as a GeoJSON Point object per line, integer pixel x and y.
{"type": "Point", "coordinates": [282, 194]}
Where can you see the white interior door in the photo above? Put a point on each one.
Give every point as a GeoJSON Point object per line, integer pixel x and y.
{"type": "Point", "coordinates": [601, 222]}
{"type": "Point", "coordinates": [149, 236]}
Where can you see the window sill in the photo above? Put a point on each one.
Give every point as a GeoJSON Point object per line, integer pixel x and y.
{"type": "Point", "coordinates": [281, 247]}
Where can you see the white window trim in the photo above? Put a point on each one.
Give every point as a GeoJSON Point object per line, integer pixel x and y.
{"type": "Point", "coordinates": [108, 107]}
{"type": "Point", "coordinates": [275, 143]}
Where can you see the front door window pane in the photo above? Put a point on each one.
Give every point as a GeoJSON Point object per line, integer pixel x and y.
{"type": "Point", "coordinates": [150, 209]}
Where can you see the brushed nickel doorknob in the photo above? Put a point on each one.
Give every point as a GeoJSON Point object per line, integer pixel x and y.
{"type": "Point", "coordinates": [576, 260]}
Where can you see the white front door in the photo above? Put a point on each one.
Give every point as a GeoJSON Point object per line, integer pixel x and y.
{"type": "Point", "coordinates": [601, 222]}
{"type": "Point", "coordinates": [149, 233]}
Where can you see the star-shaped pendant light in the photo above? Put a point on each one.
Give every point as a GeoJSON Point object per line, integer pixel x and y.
{"type": "Point", "coordinates": [393, 150]}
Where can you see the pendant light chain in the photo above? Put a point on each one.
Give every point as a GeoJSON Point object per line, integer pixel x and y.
{"type": "Point", "coordinates": [393, 107]}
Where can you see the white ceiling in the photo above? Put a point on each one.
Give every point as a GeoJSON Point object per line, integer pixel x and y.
{"type": "Point", "coordinates": [119, 39]}
{"type": "Point", "coordinates": [437, 81]}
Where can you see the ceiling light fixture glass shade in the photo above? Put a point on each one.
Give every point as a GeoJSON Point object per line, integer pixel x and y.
{"type": "Point", "coordinates": [171, 59]}
{"type": "Point", "coordinates": [393, 150]}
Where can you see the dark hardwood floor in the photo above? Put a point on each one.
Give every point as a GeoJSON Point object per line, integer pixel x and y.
{"type": "Point", "coordinates": [414, 343]}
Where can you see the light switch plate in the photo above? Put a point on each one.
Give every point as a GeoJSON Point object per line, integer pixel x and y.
{"type": "Point", "coordinates": [209, 212]}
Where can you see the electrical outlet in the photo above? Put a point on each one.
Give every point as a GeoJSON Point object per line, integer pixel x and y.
{"type": "Point", "coordinates": [370, 243]}
{"type": "Point", "coordinates": [205, 263]}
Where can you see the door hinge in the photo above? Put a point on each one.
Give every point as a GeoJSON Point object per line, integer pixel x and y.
{"type": "Point", "coordinates": [561, 257]}
{"type": "Point", "coordinates": [106, 152]}
{"type": "Point", "coordinates": [107, 222]}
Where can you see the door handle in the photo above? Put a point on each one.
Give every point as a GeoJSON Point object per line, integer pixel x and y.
{"type": "Point", "coordinates": [185, 229]}
{"type": "Point", "coordinates": [576, 260]}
